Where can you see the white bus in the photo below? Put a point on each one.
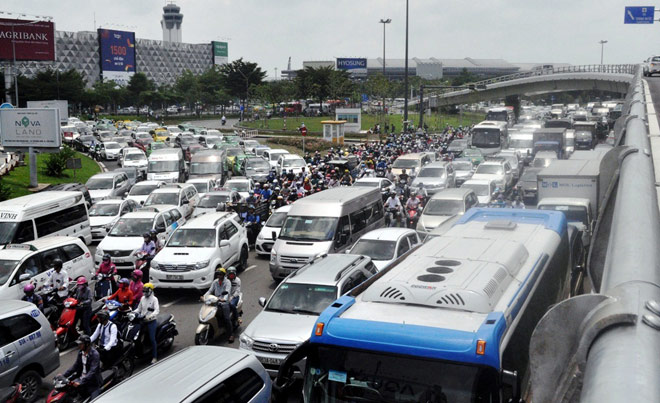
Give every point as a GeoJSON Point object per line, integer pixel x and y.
{"type": "Point", "coordinates": [490, 137]}
{"type": "Point", "coordinates": [27, 218]}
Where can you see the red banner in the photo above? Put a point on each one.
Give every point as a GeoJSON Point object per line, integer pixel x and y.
{"type": "Point", "coordinates": [32, 40]}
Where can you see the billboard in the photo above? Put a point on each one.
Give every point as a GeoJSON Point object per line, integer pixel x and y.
{"type": "Point", "coordinates": [22, 128]}
{"type": "Point", "coordinates": [61, 106]}
{"type": "Point", "coordinates": [220, 52]}
{"type": "Point", "coordinates": [117, 51]}
{"type": "Point", "coordinates": [352, 64]}
{"type": "Point", "coordinates": [33, 40]}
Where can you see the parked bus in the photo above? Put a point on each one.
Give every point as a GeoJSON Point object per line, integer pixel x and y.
{"type": "Point", "coordinates": [449, 322]}
{"type": "Point", "coordinates": [27, 218]}
{"type": "Point", "coordinates": [490, 137]}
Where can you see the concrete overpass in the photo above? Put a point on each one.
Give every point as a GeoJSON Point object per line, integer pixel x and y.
{"type": "Point", "coordinates": [611, 78]}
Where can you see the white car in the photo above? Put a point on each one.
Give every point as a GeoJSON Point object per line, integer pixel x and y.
{"type": "Point", "coordinates": [265, 239]}
{"type": "Point", "coordinates": [180, 195]}
{"type": "Point", "coordinates": [273, 155]}
{"type": "Point", "coordinates": [244, 186]}
{"type": "Point", "coordinates": [203, 185]}
{"type": "Point", "coordinates": [290, 163]}
{"type": "Point", "coordinates": [385, 245]}
{"type": "Point", "coordinates": [497, 170]}
{"type": "Point", "coordinates": [135, 159]}
{"type": "Point", "coordinates": [197, 249]}
{"type": "Point", "coordinates": [104, 214]}
{"type": "Point", "coordinates": [483, 188]}
{"type": "Point", "coordinates": [110, 150]}
{"type": "Point", "coordinates": [33, 261]}
{"type": "Point", "coordinates": [125, 237]}
{"type": "Point", "coordinates": [108, 185]}
{"type": "Point", "coordinates": [210, 202]}
{"type": "Point", "coordinates": [651, 66]}
{"type": "Point", "coordinates": [141, 190]}
{"type": "Point", "coordinates": [385, 185]}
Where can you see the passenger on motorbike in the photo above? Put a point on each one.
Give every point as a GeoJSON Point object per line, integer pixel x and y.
{"type": "Point", "coordinates": [30, 296]}
{"type": "Point", "coordinates": [106, 334]}
{"type": "Point", "coordinates": [347, 179]}
{"type": "Point", "coordinates": [59, 279]}
{"type": "Point", "coordinates": [87, 367]}
{"type": "Point", "coordinates": [84, 296]}
{"type": "Point", "coordinates": [234, 294]}
{"type": "Point", "coordinates": [136, 286]}
{"type": "Point", "coordinates": [148, 250]}
{"type": "Point", "coordinates": [222, 289]}
{"type": "Point", "coordinates": [103, 273]}
{"type": "Point", "coordinates": [149, 309]}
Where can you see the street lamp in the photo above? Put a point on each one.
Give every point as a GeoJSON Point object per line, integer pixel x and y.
{"type": "Point", "coordinates": [384, 22]}
{"type": "Point", "coordinates": [405, 79]}
{"type": "Point", "coordinates": [247, 91]}
{"type": "Point", "coordinates": [602, 45]}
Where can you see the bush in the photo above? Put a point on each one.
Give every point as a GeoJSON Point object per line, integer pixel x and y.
{"type": "Point", "coordinates": [56, 163]}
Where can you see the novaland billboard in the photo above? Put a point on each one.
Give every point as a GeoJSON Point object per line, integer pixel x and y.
{"type": "Point", "coordinates": [23, 128]}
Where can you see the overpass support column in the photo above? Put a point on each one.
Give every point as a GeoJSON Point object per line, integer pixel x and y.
{"type": "Point", "coordinates": [513, 100]}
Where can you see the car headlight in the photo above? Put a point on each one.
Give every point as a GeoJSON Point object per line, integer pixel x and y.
{"type": "Point", "coordinates": [246, 342]}
{"type": "Point", "coordinates": [99, 252]}
{"type": "Point", "coordinates": [273, 256]}
{"type": "Point", "coordinates": [203, 264]}
{"type": "Point", "coordinates": [154, 265]}
{"type": "Point", "coordinates": [260, 236]}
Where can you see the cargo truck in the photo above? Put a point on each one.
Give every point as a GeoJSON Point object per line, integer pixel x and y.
{"type": "Point", "coordinates": [552, 139]}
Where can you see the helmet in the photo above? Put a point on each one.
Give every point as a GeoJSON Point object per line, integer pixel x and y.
{"type": "Point", "coordinates": [29, 288]}
{"type": "Point", "coordinates": [220, 271]}
{"type": "Point", "coordinates": [84, 339]}
{"type": "Point", "coordinates": [57, 263]}
{"type": "Point", "coordinates": [81, 281]}
{"type": "Point", "coordinates": [106, 258]}
{"type": "Point", "coordinates": [137, 273]}
{"type": "Point", "coordinates": [102, 316]}
{"type": "Point", "coordinates": [148, 289]}
{"type": "Point", "coordinates": [153, 232]}
{"type": "Point", "coordinates": [124, 282]}
{"type": "Point", "coordinates": [231, 271]}
{"type": "Point", "coordinates": [146, 235]}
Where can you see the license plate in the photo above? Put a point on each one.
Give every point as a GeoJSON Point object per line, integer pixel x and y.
{"type": "Point", "coordinates": [115, 260]}
{"type": "Point", "coordinates": [271, 361]}
{"type": "Point", "coordinates": [173, 277]}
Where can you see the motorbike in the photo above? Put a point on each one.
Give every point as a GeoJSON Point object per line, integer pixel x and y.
{"type": "Point", "coordinates": [209, 327]}
{"type": "Point", "coordinates": [392, 217]}
{"type": "Point", "coordinates": [142, 263]}
{"type": "Point", "coordinates": [12, 394]}
{"type": "Point", "coordinates": [52, 306]}
{"type": "Point", "coordinates": [67, 332]}
{"type": "Point", "coordinates": [101, 278]}
{"type": "Point", "coordinates": [133, 331]}
{"type": "Point", "coordinates": [380, 172]}
{"type": "Point", "coordinates": [412, 217]}
{"type": "Point", "coordinates": [64, 390]}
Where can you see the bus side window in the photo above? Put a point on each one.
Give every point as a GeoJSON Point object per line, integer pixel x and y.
{"type": "Point", "coordinates": [343, 233]}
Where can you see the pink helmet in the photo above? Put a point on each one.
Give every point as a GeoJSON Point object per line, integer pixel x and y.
{"type": "Point", "coordinates": [28, 288]}
{"type": "Point", "coordinates": [137, 273]}
{"type": "Point", "coordinates": [81, 281]}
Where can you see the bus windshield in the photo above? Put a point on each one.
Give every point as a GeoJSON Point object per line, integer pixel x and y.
{"type": "Point", "coordinates": [311, 229]}
{"type": "Point", "coordinates": [7, 231]}
{"type": "Point", "coordinates": [341, 375]}
{"type": "Point", "coordinates": [163, 166]}
{"type": "Point", "coordinates": [500, 116]}
{"type": "Point", "coordinates": [486, 138]}
{"type": "Point", "coordinates": [201, 168]}
{"type": "Point", "coordinates": [521, 143]}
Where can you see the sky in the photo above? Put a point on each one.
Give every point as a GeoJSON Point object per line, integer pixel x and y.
{"type": "Point", "coordinates": [268, 32]}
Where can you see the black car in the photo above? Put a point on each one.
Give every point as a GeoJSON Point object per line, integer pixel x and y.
{"type": "Point", "coordinates": [83, 142]}
{"type": "Point", "coordinates": [72, 187]}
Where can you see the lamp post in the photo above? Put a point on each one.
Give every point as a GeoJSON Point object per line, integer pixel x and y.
{"type": "Point", "coordinates": [602, 46]}
{"type": "Point", "coordinates": [247, 91]}
{"type": "Point", "coordinates": [384, 22]}
{"type": "Point", "coordinates": [405, 79]}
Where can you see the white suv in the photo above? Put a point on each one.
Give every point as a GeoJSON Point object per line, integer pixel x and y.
{"type": "Point", "coordinates": [181, 195]}
{"type": "Point", "coordinates": [197, 249]}
{"type": "Point", "coordinates": [498, 170]}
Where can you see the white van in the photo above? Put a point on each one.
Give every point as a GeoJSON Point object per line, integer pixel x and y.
{"type": "Point", "coordinates": [325, 222]}
{"type": "Point", "coordinates": [27, 218]}
{"type": "Point", "coordinates": [273, 155]}
{"type": "Point", "coordinates": [32, 262]}
{"type": "Point", "coordinates": [166, 165]}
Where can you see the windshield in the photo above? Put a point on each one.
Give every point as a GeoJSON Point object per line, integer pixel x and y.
{"type": "Point", "coordinates": [583, 136]}
{"type": "Point", "coordinates": [187, 140]}
{"type": "Point", "coordinates": [570, 141]}
{"type": "Point", "coordinates": [528, 177]}
{"type": "Point", "coordinates": [486, 138]}
{"type": "Point", "coordinates": [205, 168]}
{"type": "Point", "coordinates": [300, 228]}
{"type": "Point", "coordinates": [212, 201]}
{"type": "Point", "coordinates": [366, 184]}
{"type": "Point", "coordinates": [462, 165]}
{"type": "Point", "coordinates": [479, 189]}
{"type": "Point", "coordinates": [489, 169]}
{"type": "Point", "coordinates": [431, 173]}
{"type": "Point", "coordinates": [104, 210]}
{"type": "Point", "coordinates": [6, 269]}
{"type": "Point", "coordinates": [500, 116]}
{"type": "Point", "coordinates": [232, 152]}
{"type": "Point", "coordinates": [375, 249]}
{"type": "Point", "coordinates": [472, 152]}
{"type": "Point", "coordinates": [99, 184]}
{"type": "Point", "coordinates": [275, 156]}
{"type": "Point", "coordinates": [162, 198]}
{"type": "Point", "coordinates": [163, 166]}
{"type": "Point", "coordinates": [276, 220]}
{"type": "Point", "coordinates": [213, 140]}
{"type": "Point", "coordinates": [135, 157]}
{"type": "Point", "coordinates": [237, 186]}
{"type": "Point", "coordinates": [347, 376]}
{"type": "Point", "coordinates": [444, 207]}
{"type": "Point", "coordinates": [7, 231]}
{"type": "Point", "coordinates": [143, 135]}
{"type": "Point", "coordinates": [305, 299]}
{"type": "Point", "coordinates": [521, 143]}
{"type": "Point", "coordinates": [572, 213]}
{"type": "Point", "coordinates": [157, 146]}
{"type": "Point", "coordinates": [541, 162]}
{"type": "Point", "coordinates": [192, 238]}
{"type": "Point", "coordinates": [458, 144]}
{"type": "Point", "coordinates": [295, 163]}
{"type": "Point", "coordinates": [142, 190]}
{"type": "Point", "coordinates": [257, 164]}
{"type": "Point", "coordinates": [406, 163]}
{"type": "Point", "coordinates": [132, 227]}
{"type": "Point", "coordinates": [201, 187]}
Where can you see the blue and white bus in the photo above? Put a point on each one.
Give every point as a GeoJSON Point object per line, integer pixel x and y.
{"type": "Point", "coordinates": [450, 322]}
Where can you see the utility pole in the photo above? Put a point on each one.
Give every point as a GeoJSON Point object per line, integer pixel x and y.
{"type": "Point", "coordinates": [384, 22]}
{"type": "Point", "coordinates": [602, 46]}
{"type": "Point", "coordinates": [405, 79]}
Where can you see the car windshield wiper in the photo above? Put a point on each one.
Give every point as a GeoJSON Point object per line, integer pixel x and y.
{"type": "Point", "coordinates": [280, 310]}
{"type": "Point", "coordinates": [307, 311]}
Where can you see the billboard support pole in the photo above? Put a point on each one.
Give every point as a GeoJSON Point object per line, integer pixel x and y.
{"type": "Point", "coordinates": [8, 84]}
{"type": "Point", "coordinates": [32, 156]}
{"type": "Point", "coordinates": [13, 65]}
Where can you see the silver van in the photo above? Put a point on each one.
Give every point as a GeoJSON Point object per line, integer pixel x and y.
{"type": "Point", "coordinates": [325, 222]}
{"type": "Point", "coordinates": [27, 347]}
{"type": "Point", "coordinates": [207, 163]}
{"type": "Point", "coordinates": [197, 374]}
{"type": "Point", "coordinates": [167, 165]}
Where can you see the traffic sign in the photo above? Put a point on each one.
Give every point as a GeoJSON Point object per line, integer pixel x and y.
{"type": "Point", "coordinates": [639, 15]}
{"type": "Point", "coordinates": [303, 131]}
{"type": "Point", "coordinates": [6, 105]}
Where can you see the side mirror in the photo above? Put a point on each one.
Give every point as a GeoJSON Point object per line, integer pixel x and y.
{"type": "Point", "coordinates": [224, 243]}
{"type": "Point", "coordinates": [24, 277]}
{"type": "Point", "coordinates": [185, 202]}
{"type": "Point", "coordinates": [141, 202]}
{"type": "Point", "coordinates": [160, 228]}
{"type": "Point", "coordinates": [262, 301]}
{"type": "Point", "coordinates": [274, 235]}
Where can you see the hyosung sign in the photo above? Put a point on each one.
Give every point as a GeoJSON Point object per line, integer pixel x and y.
{"type": "Point", "coordinates": [23, 128]}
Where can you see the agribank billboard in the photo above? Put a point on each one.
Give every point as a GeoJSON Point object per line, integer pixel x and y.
{"type": "Point", "coordinates": [220, 53]}
{"type": "Point", "coordinates": [33, 40]}
{"type": "Point", "coordinates": [117, 51]}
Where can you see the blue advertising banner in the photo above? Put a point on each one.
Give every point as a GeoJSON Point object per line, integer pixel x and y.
{"type": "Point", "coordinates": [117, 52]}
{"type": "Point", "coordinates": [353, 63]}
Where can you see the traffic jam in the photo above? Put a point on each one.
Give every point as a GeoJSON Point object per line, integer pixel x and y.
{"type": "Point", "coordinates": [402, 270]}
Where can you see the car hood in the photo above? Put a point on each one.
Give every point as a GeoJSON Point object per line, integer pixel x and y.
{"type": "Point", "coordinates": [429, 181]}
{"type": "Point", "coordinates": [183, 255]}
{"type": "Point", "coordinates": [138, 199]}
{"type": "Point", "coordinates": [301, 249]}
{"type": "Point", "coordinates": [101, 220]}
{"type": "Point", "coordinates": [138, 163]}
{"type": "Point", "coordinates": [487, 177]}
{"type": "Point", "coordinates": [431, 221]}
{"type": "Point", "coordinates": [267, 232]}
{"type": "Point", "coordinates": [100, 193]}
{"type": "Point", "coordinates": [120, 243]}
{"type": "Point", "coordinates": [463, 174]}
{"type": "Point", "coordinates": [113, 151]}
{"type": "Point", "coordinates": [202, 210]}
{"type": "Point", "coordinates": [281, 327]}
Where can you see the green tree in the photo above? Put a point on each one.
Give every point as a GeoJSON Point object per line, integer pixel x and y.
{"type": "Point", "coordinates": [51, 84]}
{"type": "Point", "coordinates": [187, 87]}
{"type": "Point", "coordinates": [464, 78]}
{"type": "Point", "coordinates": [138, 84]}
{"type": "Point", "coordinates": [238, 76]}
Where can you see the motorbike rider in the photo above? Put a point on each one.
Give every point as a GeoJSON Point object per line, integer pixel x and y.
{"type": "Point", "coordinates": [234, 294]}
{"type": "Point", "coordinates": [389, 175]}
{"type": "Point", "coordinates": [106, 268]}
{"type": "Point", "coordinates": [106, 334]}
{"type": "Point", "coordinates": [381, 165]}
{"type": "Point", "coordinates": [136, 286]}
{"type": "Point", "coordinates": [518, 203]}
{"type": "Point", "coordinates": [154, 237]}
{"type": "Point", "coordinates": [223, 119]}
{"type": "Point", "coordinates": [30, 296]}
{"type": "Point", "coordinates": [393, 203]}
{"type": "Point", "coordinates": [59, 279]}
{"type": "Point", "coordinates": [253, 224]}
{"type": "Point", "coordinates": [149, 309]}
{"type": "Point", "coordinates": [84, 296]}
{"type": "Point", "coordinates": [149, 250]}
{"type": "Point", "coordinates": [422, 191]}
{"type": "Point", "coordinates": [222, 289]}
{"type": "Point", "coordinates": [266, 193]}
{"type": "Point", "coordinates": [123, 294]}
{"type": "Point", "coordinates": [346, 179]}
{"type": "Point", "coordinates": [404, 177]}
{"type": "Point", "coordinates": [87, 367]}
{"type": "Point", "coordinates": [413, 201]}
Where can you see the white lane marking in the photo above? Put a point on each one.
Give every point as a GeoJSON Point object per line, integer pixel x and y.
{"type": "Point", "coordinates": [67, 351]}
{"type": "Point", "coordinates": [172, 303]}
{"type": "Point", "coordinates": [249, 268]}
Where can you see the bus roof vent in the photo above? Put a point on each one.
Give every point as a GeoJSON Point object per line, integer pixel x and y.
{"type": "Point", "coordinates": [501, 225]}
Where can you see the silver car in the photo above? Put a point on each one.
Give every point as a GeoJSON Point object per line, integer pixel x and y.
{"type": "Point", "coordinates": [445, 207]}
{"type": "Point", "coordinates": [435, 176]}
{"type": "Point", "coordinates": [108, 185]}
{"type": "Point", "coordinates": [27, 347]}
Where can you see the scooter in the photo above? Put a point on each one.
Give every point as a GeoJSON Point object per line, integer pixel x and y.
{"type": "Point", "coordinates": [11, 394]}
{"type": "Point", "coordinates": [392, 218]}
{"type": "Point", "coordinates": [100, 279]}
{"type": "Point", "coordinates": [52, 306]}
{"type": "Point", "coordinates": [412, 217]}
{"type": "Point", "coordinates": [64, 390]}
{"type": "Point", "coordinates": [133, 331]}
{"type": "Point", "coordinates": [142, 264]}
{"type": "Point", "coordinates": [67, 332]}
{"type": "Point", "coordinates": [208, 326]}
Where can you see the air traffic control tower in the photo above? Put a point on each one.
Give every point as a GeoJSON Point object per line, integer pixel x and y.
{"type": "Point", "coordinates": [171, 23]}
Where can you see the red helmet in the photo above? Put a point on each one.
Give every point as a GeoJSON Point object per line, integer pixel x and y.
{"type": "Point", "coordinates": [81, 281]}
{"type": "Point", "coordinates": [137, 273]}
